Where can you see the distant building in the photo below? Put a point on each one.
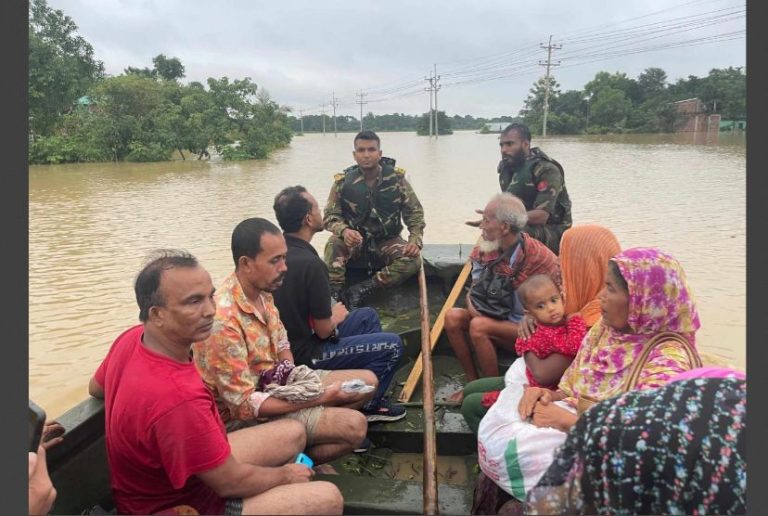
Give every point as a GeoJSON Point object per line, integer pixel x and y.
{"type": "Point", "coordinates": [694, 117]}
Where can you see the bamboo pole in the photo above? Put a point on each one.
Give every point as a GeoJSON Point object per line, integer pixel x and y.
{"type": "Point", "coordinates": [430, 443]}
{"type": "Point", "coordinates": [437, 329]}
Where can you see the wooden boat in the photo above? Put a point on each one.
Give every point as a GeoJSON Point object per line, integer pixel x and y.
{"type": "Point", "coordinates": [385, 480]}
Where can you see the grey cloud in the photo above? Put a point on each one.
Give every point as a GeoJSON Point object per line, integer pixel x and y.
{"type": "Point", "coordinates": [301, 50]}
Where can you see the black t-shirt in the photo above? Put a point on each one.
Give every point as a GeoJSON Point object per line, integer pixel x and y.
{"type": "Point", "coordinates": [304, 295]}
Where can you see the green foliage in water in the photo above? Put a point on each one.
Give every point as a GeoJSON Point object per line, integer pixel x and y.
{"type": "Point", "coordinates": [62, 67]}
{"type": "Point", "coordinates": [616, 103]}
{"type": "Point", "coordinates": [144, 114]}
{"type": "Point", "coordinates": [443, 124]}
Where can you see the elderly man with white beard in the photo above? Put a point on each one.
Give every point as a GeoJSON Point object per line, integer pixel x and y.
{"type": "Point", "coordinates": [502, 260]}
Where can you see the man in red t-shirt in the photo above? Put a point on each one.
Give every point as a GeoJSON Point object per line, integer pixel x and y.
{"type": "Point", "coordinates": [166, 443]}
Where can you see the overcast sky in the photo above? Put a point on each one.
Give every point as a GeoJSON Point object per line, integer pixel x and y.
{"type": "Point", "coordinates": [486, 51]}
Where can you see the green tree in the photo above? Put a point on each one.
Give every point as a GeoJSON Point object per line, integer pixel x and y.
{"type": "Point", "coordinates": [443, 124]}
{"type": "Point", "coordinates": [568, 113]}
{"type": "Point", "coordinates": [727, 89]}
{"type": "Point", "coordinates": [149, 73]}
{"type": "Point", "coordinates": [169, 69]}
{"type": "Point", "coordinates": [134, 119]}
{"type": "Point", "coordinates": [609, 110]}
{"type": "Point", "coordinates": [618, 81]}
{"type": "Point", "coordinates": [652, 84]}
{"type": "Point", "coordinates": [62, 67]}
{"type": "Point", "coordinates": [533, 107]}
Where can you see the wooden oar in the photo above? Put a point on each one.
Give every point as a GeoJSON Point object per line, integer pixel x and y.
{"type": "Point", "coordinates": [437, 329]}
{"type": "Point", "coordinates": [430, 439]}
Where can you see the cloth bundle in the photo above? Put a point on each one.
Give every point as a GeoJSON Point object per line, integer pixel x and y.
{"type": "Point", "coordinates": [291, 383]}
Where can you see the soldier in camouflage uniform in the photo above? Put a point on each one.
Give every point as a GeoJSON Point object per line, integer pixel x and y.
{"type": "Point", "coordinates": [364, 211]}
{"type": "Point", "coordinates": [539, 181]}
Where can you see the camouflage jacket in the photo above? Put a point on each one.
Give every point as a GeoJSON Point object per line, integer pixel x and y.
{"type": "Point", "coordinates": [374, 211]}
{"type": "Point", "coordinates": [540, 184]}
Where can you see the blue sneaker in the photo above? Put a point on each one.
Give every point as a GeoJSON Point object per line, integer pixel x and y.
{"type": "Point", "coordinates": [385, 413]}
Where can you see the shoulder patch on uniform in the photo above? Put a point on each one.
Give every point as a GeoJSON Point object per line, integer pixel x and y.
{"type": "Point", "coordinates": [400, 170]}
{"type": "Point", "coordinates": [339, 176]}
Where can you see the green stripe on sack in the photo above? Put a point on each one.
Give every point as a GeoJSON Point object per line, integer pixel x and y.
{"type": "Point", "coordinates": [513, 470]}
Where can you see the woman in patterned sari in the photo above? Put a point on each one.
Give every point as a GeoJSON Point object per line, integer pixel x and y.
{"type": "Point", "coordinates": [680, 449]}
{"type": "Point", "coordinates": [646, 296]}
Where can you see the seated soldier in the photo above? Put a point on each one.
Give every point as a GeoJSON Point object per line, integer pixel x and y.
{"type": "Point", "coordinates": [364, 212]}
{"type": "Point", "coordinates": [248, 350]}
{"type": "Point", "coordinates": [322, 333]}
{"type": "Point", "coordinates": [166, 444]}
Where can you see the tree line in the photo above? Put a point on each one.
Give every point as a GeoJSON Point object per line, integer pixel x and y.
{"type": "Point", "coordinates": [616, 103]}
{"type": "Point", "coordinates": [78, 114]}
{"type": "Point", "coordinates": [394, 122]}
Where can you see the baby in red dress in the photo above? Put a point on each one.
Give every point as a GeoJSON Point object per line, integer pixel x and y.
{"type": "Point", "coordinates": [552, 347]}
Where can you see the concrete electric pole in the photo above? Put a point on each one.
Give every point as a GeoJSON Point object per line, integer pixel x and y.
{"type": "Point", "coordinates": [361, 102]}
{"type": "Point", "coordinates": [550, 47]}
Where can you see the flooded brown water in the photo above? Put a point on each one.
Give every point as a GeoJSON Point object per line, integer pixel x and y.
{"type": "Point", "coordinates": [91, 225]}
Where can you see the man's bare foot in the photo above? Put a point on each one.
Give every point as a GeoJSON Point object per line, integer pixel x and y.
{"type": "Point", "coordinates": [457, 397]}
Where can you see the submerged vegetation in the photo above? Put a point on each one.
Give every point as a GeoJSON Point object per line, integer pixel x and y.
{"type": "Point", "coordinates": [77, 114]}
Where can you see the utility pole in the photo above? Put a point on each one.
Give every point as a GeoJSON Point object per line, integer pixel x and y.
{"type": "Point", "coordinates": [334, 103]}
{"type": "Point", "coordinates": [322, 110]}
{"type": "Point", "coordinates": [361, 102]}
{"type": "Point", "coordinates": [436, 87]}
{"type": "Point", "coordinates": [301, 118]}
{"type": "Point", "coordinates": [431, 88]}
{"type": "Point", "coordinates": [550, 47]}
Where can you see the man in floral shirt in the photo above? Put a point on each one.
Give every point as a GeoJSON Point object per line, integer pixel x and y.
{"type": "Point", "coordinates": [249, 340]}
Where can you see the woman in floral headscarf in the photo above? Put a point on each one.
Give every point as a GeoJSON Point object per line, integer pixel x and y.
{"type": "Point", "coordinates": [645, 295]}
{"type": "Point", "coordinates": [680, 449]}
{"type": "Point", "coordinates": [646, 337]}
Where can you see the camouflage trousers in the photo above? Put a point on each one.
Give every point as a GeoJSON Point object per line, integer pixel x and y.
{"type": "Point", "coordinates": [547, 234]}
{"type": "Point", "coordinates": [392, 268]}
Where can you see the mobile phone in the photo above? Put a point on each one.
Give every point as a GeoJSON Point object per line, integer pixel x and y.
{"type": "Point", "coordinates": [302, 458]}
{"type": "Point", "coordinates": [36, 424]}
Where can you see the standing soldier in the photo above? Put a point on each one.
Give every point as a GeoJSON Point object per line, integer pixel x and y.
{"type": "Point", "coordinates": [539, 181]}
{"type": "Point", "coordinates": [364, 212]}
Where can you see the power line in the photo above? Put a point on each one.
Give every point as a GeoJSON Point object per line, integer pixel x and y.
{"type": "Point", "coordinates": [586, 46]}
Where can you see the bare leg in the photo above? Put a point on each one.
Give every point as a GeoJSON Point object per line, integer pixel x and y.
{"type": "Point", "coordinates": [304, 498]}
{"type": "Point", "coordinates": [484, 331]}
{"type": "Point", "coordinates": [268, 444]}
{"type": "Point", "coordinates": [337, 433]}
{"type": "Point", "coordinates": [350, 374]}
{"type": "Point", "coordinates": [457, 322]}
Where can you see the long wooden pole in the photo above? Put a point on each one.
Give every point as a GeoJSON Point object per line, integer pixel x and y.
{"type": "Point", "coordinates": [437, 329]}
{"type": "Point", "coordinates": [430, 439]}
